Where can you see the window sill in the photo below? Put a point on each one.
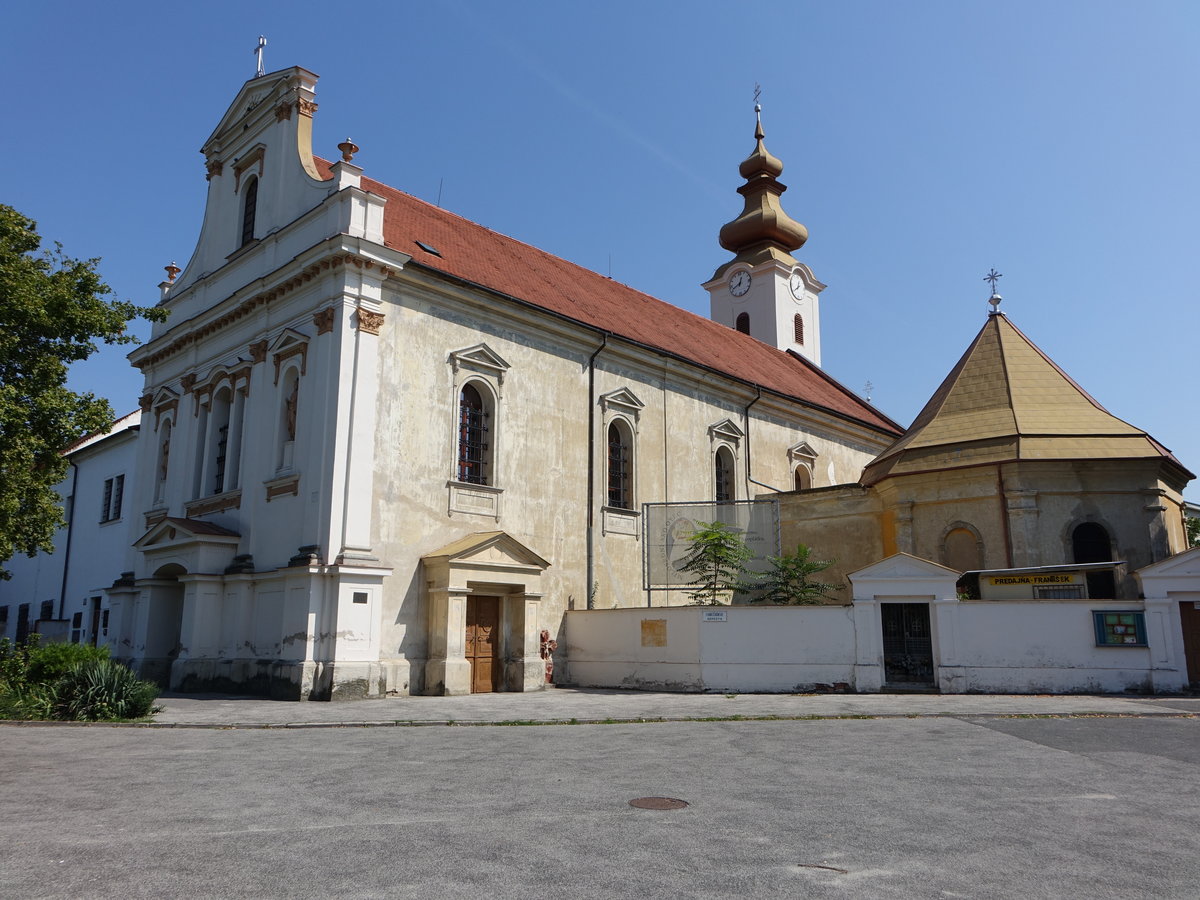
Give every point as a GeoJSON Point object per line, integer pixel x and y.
{"type": "Point", "coordinates": [474, 499]}
{"type": "Point", "coordinates": [614, 520]}
{"type": "Point", "coordinates": [283, 485]}
{"type": "Point", "coordinates": [214, 504]}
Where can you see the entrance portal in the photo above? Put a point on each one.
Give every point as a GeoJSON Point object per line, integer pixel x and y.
{"type": "Point", "coordinates": [907, 645]}
{"type": "Point", "coordinates": [483, 643]}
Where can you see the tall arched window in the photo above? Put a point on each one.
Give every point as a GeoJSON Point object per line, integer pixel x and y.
{"type": "Point", "coordinates": [723, 476]}
{"type": "Point", "coordinates": [1090, 543]}
{"type": "Point", "coordinates": [249, 208]}
{"type": "Point", "coordinates": [743, 323]}
{"type": "Point", "coordinates": [473, 448]}
{"type": "Point", "coordinates": [799, 325]}
{"type": "Point", "coordinates": [218, 446]}
{"type": "Point", "coordinates": [620, 486]}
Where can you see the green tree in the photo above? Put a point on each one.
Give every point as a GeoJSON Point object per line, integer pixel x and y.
{"type": "Point", "coordinates": [717, 558]}
{"type": "Point", "coordinates": [1192, 527]}
{"type": "Point", "coordinates": [53, 310]}
{"type": "Point", "coordinates": [790, 579]}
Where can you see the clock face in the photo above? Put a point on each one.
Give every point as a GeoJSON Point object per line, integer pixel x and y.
{"type": "Point", "coordinates": [739, 283]}
{"type": "Point", "coordinates": [796, 284]}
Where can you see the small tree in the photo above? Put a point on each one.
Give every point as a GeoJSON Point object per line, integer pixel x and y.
{"type": "Point", "coordinates": [718, 560]}
{"type": "Point", "coordinates": [1193, 531]}
{"type": "Point", "coordinates": [790, 579]}
{"type": "Point", "coordinates": [53, 310]}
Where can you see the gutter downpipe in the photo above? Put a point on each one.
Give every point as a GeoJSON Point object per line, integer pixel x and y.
{"type": "Point", "coordinates": [1008, 554]}
{"type": "Point", "coordinates": [746, 419]}
{"type": "Point", "coordinates": [591, 470]}
{"type": "Point", "coordinates": [62, 594]}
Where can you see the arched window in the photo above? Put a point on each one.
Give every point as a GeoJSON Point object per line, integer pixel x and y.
{"type": "Point", "coordinates": [218, 441]}
{"type": "Point", "coordinates": [620, 487]}
{"type": "Point", "coordinates": [803, 478]}
{"type": "Point", "coordinates": [723, 476]}
{"type": "Point", "coordinates": [799, 324]}
{"type": "Point", "coordinates": [1090, 543]}
{"type": "Point", "coordinates": [249, 208]}
{"type": "Point", "coordinates": [962, 550]}
{"type": "Point", "coordinates": [473, 448]}
{"type": "Point", "coordinates": [743, 323]}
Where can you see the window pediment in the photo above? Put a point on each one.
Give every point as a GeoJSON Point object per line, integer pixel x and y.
{"type": "Point", "coordinates": [802, 452]}
{"type": "Point", "coordinates": [480, 358]}
{"type": "Point", "coordinates": [726, 430]}
{"type": "Point", "coordinates": [290, 343]}
{"type": "Point", "coordinates": [622, 400]}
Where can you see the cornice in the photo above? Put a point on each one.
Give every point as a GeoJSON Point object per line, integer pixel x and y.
{"type": "Point", "coordinates": [339, 253]}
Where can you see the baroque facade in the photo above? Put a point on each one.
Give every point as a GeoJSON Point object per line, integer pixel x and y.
{"type": "Point", "coordinates": [383, 448]}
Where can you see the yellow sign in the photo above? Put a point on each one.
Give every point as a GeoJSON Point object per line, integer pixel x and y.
{"type": "Point", "coordinates": [1066, 578]}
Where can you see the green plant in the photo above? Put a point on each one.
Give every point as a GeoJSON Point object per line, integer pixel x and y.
{"type": "Point", "coordinates": [717, 558]}
{"type": "Point", "coordinates": [1192, 526]}
{"type": "Point", "coordinates": [790, 579]}
{"type": "Point", "coordinates": [102, 689]}
{"type": "Point", "coordinates": [50, 662]}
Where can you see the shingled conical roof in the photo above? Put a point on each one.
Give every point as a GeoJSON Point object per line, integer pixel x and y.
{"type": "Point", "coordinates": [1004, 401]}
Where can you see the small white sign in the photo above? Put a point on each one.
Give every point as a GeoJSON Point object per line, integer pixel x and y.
{"type": "Point", "coordinates": [1197, 605]}
{"type": "Point", "coordinates": [714, 615]}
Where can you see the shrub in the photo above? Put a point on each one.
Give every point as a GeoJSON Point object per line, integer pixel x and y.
{"type": "Point", "coordinates": [50, 662]}
{"type": "Point", "coordinates": [790, 579]}
{"type": "Point", "coordinates": [717, 558]}
{"type": "Point", "coordinates": [102, 689]}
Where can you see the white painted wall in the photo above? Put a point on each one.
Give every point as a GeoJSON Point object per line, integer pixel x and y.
{"type": "Point", "coordinates": [767, 649]}
{"type": "Point", "coordinates": [980, 646]}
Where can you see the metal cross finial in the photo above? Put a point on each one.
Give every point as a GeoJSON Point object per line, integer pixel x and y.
{"type": "Point", "coordinates": [258, 51]}
{"type": "Point", "coordinates": [993, 276]}
{"type": "Point", "coordinates": [757, 94]}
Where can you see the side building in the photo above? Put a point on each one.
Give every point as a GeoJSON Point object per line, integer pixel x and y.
{"type": "Point", "coordinates": [61, 595]}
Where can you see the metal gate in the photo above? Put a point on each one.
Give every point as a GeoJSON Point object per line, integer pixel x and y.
{"type": "Point", "coordinates": [907, 645]}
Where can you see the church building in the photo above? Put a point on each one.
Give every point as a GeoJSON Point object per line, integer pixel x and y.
{"type": "Point", "coordinates": [384, 448]}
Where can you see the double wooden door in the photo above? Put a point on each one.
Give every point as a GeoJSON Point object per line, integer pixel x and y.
{"type": "Point", "coordinates": [483, 643]}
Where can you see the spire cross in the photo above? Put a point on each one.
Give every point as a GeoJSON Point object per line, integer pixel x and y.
{"type": "Point", "coordinates": [757, 94]}
{"type": "Point", "coordinates": [258, 51]}
{"type": "Point", "coordinates": [992, 277]}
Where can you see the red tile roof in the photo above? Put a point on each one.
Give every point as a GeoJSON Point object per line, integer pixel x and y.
{"type": "Point", "coordinates": [478, 255]}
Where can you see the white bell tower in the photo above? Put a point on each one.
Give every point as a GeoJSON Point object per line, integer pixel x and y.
{"type": "Point", "coordinates": [763, 291]}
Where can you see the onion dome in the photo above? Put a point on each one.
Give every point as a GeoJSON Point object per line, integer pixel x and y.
{"type": "Point", "coordinates": [763, 230]}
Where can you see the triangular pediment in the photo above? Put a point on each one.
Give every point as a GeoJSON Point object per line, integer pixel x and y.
{"type": "Point", "coordinates": [727, 429]}
{"type": "Point", "coordinates": [174, 530]}
{"type": "Point", "coordinates": [802, 451]}
{"type": "Point", "coordinates": [1181, 565]}
{"type": "Point", "coordinates": [480, 356]}
{"type": "Point", "coordinates": [164, 397]}
{"type": "Point", "coordinates": [623, 398]}
{"type": "Point", "coordinates": [497, 548]}
{"type": "Point", "coordinates": [904, 566]}
{"type": "Point", "coordinates": [287, 339]}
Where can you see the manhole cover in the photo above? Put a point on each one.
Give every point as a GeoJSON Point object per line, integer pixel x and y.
{"type": "Point", "coordinates": [658, 803]}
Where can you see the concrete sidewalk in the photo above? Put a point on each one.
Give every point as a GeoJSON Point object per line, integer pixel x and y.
{"type": "Point", "coordinates": [567, 705]}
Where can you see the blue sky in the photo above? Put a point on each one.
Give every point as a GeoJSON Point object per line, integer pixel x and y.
{"type": "Point", "coordinates": [924, 143]}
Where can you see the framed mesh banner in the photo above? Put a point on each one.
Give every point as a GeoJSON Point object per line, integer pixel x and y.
{"type": "Point", "coordinates": [668, 527]}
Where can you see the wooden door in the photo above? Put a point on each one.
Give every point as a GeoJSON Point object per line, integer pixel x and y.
{"type": "Point", "coordinates": [1189, 618]}
{"type": "Point", "coordinates": [483, 643]}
